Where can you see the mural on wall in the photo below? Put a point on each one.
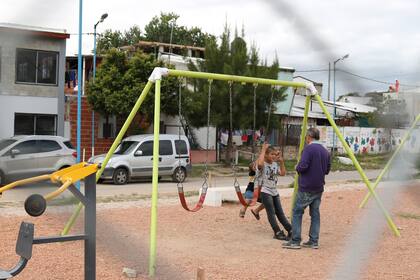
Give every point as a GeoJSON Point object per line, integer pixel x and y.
{"type": "Point", "coordinates": [367, 140]}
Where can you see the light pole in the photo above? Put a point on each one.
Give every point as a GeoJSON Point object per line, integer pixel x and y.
{"type": "Point", "coordinates": [335, 110]}
{"type": "Point", "coordinates": [103, 17]}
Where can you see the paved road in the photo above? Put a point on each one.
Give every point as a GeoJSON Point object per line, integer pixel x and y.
{"type": "Point", "coordinates": [167, 186]}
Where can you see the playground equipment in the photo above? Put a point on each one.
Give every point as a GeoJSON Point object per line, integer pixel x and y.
{"type": "Point", "coordinates": [205, 185]}
{"type": "Point", "coordinates": [36, 204]}
{"type": "Point", "coordinates": [155, 78]}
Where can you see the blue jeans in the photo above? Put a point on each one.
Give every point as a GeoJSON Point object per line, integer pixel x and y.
{"type": "Point", "coordinates": [273, 208]}
{"type": "Point", "coordinates": [303, 200]}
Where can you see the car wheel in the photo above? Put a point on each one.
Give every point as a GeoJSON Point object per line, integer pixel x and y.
{"type": "Point", "coordinates": [120, 176]}
{"type": "Point", "coordinates": [179, 175]}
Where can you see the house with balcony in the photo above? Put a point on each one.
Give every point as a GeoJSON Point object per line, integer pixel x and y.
{"type": "Point", "coordinates": [32, 66]}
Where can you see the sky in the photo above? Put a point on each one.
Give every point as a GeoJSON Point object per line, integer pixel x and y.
{"type": "Point", "coordinates": [381, 37]}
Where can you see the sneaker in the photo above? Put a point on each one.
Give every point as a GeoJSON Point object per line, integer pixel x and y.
{"type": "Point", "coordinates": [256, 215]}
{"type": "Point", "coordinates": [280, 235]}
{"type": "Point", "coordinates": [289, 235]}
{"type": "Point", "coordinates": [291, 245]}
{"type": "Point", "coordinates": [310, 244]}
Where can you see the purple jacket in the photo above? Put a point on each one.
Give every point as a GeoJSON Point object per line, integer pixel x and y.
{"type": "Point", "coordinates": [314, 164]}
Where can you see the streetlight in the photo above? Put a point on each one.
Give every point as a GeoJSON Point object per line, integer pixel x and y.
{"type": "Point", "coordinates": [103, 17]}
{"type": "Point", "coordinates": [335, 110]}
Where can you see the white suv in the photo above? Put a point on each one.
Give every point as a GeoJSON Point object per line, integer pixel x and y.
{"type": "Point", "coordinates": [134, 158]}
{"type": "Point", "coordinates": [28, 156]}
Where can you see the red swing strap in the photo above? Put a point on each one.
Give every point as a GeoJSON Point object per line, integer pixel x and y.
{"type": "Point", "coordinates": [200, 202]}
{"type": "Point", "coordinates": [257, 191]}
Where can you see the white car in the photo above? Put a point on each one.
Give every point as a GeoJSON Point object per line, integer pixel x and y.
{"type": "Point", "coordinates": [28, 156]}
{"type": "Point", "coordinates": [134, 158]}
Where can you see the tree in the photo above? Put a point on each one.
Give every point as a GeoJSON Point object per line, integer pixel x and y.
{"type": "Point", "coordinates": [119, 82]}
{"type": "Point", "coordinates": [115, 39]}
{"type": "Point", "coordinates": [159, 29]}
{"type": "Point", "coordinates": [390, 113]}
{"type": "Point", "coordinates": [232, 57]}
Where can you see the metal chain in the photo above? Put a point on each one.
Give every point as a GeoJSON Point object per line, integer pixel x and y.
{"type": "Point", "coordinates": [179, 184]}
{"type": "Point", "coordinates": [254, 122]}
{"type": "Point", "coordinates": [208, 131]}
{"type": "Point", "coordinates": [269, 114]}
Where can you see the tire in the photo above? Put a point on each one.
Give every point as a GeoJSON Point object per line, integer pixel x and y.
{"type": "Point", "coordinates": [120, 176]}
{"type": "Point", "coordinates": [179, 175]}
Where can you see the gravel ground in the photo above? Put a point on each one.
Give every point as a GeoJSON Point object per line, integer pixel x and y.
{"type": "Point", "coordinates": [217, 240]}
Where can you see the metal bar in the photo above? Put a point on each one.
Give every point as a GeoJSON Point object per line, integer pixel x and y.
{"type": "Point", "coordinates": [301, 146]}
{"type": "Point", "coordinates": [58, 191]}
{"type": "Point", "coordinates": [23, 182]}
{"type": "Point", "coordinates": [233, 78]}
{"type": "Point", "coordinates": [54, 239]}
{"type": "Point", "coordinates": [153, 214]}
{"type": "Point", "coordinates": [391, 160]}
{"type": "Point", "coordinates": [90, 227]}
{"type": "Point", "coordinates": [114, 146]}
{"type": "Point", "coordinates": [78, 194]}
{"type": "Point", "coordinates": [358, 167]}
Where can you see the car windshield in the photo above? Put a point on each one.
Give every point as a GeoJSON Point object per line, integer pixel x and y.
{"type": "Point", "coordinates": [125, 147]}
{"type": "Point", "coordinates": [6, 142]}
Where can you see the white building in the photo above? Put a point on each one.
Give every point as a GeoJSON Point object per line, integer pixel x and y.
{"type": "Point", "coordinates": [32, 66]}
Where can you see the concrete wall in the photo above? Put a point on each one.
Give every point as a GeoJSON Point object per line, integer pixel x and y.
{"type": "Point", "coordinates": [9, 105]}
{"type": "Point", "coordinates": [53, 95]}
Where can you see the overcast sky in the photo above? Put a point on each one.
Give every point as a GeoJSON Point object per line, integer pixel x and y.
{"type": "Point", "coordinates": [382, 37]}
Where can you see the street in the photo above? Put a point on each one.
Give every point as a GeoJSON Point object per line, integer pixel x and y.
{"type": "Point", "coordinates": [167, 187]}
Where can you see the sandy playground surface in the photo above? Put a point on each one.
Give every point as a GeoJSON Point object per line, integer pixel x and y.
{"type": "Point", "coordinates": [217, 240]}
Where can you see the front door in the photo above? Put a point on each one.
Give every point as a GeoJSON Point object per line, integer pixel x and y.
{"type": "Point", "coordinates": [23, 163]}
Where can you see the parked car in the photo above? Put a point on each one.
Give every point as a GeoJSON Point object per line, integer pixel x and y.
{"type": "Point", "coordinates": [28, 156]}
{"type": "Point", "coordinates": [134, 158]}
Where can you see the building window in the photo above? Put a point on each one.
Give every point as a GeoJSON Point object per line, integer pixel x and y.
{"type": "Point", "coordinates": [35, 124]}
{"type": "Point", "coordinates": [36, 67]}
{"type": "Point", "coordinates": [107, 127]}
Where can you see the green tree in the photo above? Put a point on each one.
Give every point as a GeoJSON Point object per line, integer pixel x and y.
{"type": "Point", "coordinates": [119, 82]}
{"type": "Point", "coordinates": [115, 39]}
{"type": "Point", "coordinates": [233, 57]}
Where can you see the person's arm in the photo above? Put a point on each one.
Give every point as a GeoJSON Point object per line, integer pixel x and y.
{"type": "Point", "coordinates": [328, 164]}
{"type": "Point", "coordinates": [260, 160]}
{"type": "Point", "coordinates": [304, 162]}
{"type": "Point", "coordinates": [282, 167]}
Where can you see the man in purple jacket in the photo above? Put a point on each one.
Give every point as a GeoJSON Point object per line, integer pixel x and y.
{"type": "Point", "coordinates": [313, 166]}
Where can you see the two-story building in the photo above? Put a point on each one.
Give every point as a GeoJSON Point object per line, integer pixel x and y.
{"type": "Point", "coordinates": [32, 67]}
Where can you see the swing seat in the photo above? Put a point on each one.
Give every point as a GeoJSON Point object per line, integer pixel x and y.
{"type": "Point", "coordinates": [215, 196]}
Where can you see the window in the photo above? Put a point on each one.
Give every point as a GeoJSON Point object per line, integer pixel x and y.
{"type": "Point", "coordinates": [6, 142]}
{"type": "Point", "coordinates": [126, 147]}
{"type": "Point", "coordinates": [35, 124]}
{"type": "Point", "coordinates": [146, 148]}
{"type": "Point", "coordinates": [36, 67]}
{"type": "Point", "coordinates": [107, 127]}
{"type": "Point", "coordinates": [69, 145]}
{"type": "Point", "coordinates": [48, 146]}
{"type": "Point", "coordinates": [27, 147]}
{"type": "Point", "coordinates": [165, 147]}
{"type": "Point", "coordinates": [181, 147]}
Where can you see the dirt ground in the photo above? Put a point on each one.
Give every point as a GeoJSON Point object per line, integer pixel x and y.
{"type": "Point", "coordinates": [217, 240]}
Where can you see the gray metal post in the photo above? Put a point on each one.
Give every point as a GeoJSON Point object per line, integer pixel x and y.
{"type": "Point", "coordinates": [90, 227]}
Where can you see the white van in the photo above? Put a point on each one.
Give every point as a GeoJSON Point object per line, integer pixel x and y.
{"type": "Point", "coordinates": [134, 158]}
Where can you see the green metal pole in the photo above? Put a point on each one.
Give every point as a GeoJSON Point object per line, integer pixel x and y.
{"type": "Point", "coordinates": [301, 146]}
{"type": "Point", "coordinates": [233, 78]}
{"type": "Point", "coordinates": [153, 214]}
{"type": "Point", "coordinates": [358, 167]}
{"type": "Point", "coordinates": [111, 151]}
{"type": "Point", "coordinates": [387, 166]}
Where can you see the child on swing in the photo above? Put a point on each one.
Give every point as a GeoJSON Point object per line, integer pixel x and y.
{"type": "Point", "coordinates": [249, 192]}
{"type": "Point", "coordinates": [270, 163]}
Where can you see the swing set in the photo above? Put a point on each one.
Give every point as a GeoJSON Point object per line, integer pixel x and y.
{"type": "Point", "coordinates": [156, 78]}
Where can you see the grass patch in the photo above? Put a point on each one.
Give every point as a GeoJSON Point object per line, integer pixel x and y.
{"type": "Point", "coordinates": [409, 216]}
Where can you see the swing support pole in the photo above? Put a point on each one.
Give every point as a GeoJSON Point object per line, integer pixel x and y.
{"type": "Point", "coordinates": [111, 151]}
{"type": "Point", "coordinates": [391, 160]}
{"type": "Point", "coordinates": [358, 167]}
{"type": "Point", "coordinates": [304, 128]}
